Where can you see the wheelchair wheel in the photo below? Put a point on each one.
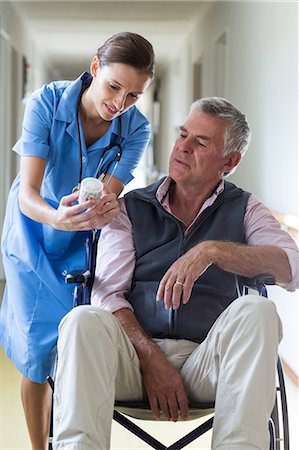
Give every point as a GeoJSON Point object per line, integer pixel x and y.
{"type": "Point", "coordinates": [284, 436]}
{"type": "Point", "coordinates": [274, 429]}
{"type": "Point", "coordinates": [279, 423]}
{"type": "Point", "coordinates": [272, 435]}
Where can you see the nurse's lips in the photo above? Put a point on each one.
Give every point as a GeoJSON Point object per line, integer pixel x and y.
{"type": "Point", "coordinates": [111, 110]}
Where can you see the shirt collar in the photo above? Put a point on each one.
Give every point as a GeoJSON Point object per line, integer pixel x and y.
{"type": "Point", "coordinates": [162, 194]}
{"type": "Point", "coordinates": [67, 107]}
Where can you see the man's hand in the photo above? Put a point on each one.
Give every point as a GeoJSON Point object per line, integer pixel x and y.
{"type": "Point", "coordinates": [164, 388]}
{"type": "Point", "coordinates": [241, 259]}
{"type": "Point", "coordinates": [179, 279]}
{"type": "Point", "coordinates": [163, 384]}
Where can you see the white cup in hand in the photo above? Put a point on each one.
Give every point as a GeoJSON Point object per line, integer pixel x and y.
{"type": "Point", "coordinates": [90, 188]}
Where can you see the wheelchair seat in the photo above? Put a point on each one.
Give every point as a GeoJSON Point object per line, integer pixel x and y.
{"type": "Point", "coordinates": [142, 410]}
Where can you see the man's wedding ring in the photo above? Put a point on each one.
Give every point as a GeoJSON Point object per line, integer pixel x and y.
{"type": "Point", "coordinates": [178, 282]}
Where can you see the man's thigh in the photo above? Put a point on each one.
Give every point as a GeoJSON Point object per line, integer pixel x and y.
{"type": "Point", "coordinates": [201, 370]}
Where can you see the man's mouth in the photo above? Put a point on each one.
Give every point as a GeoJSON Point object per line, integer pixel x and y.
{"type": "Point", "coordinates": [181, 162]}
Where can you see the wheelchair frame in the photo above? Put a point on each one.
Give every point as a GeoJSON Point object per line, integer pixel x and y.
{"type": "Point", "coordinates": [278, 422]}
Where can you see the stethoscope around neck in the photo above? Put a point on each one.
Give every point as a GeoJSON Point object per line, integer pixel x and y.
{"type": "Point", "coordinates": [98, 173]}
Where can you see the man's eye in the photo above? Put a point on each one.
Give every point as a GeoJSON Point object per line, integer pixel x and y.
{"type": "Point", "coordinates": [135, 96]}
{"type": "Point", "coordinates": [201, 144]}
{"type": "Point", "coordinates": [183, 135]}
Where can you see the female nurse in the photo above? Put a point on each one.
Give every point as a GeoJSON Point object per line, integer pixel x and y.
{"type": "Point", "coordinates": [71, 130]}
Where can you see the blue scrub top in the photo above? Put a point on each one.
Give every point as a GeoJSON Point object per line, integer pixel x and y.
{"type": "Point", "coordinates": [37, 257]}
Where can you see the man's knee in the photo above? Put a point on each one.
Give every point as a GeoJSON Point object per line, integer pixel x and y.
{"type": "Point", "coordinates": [86, 320]}
{"type": "Point", "coordinates": [260, 312]}
{"type": "Point", "coordinates": [258, 306]}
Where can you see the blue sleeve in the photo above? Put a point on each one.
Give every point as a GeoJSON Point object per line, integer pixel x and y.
{"type": "Point", "coordinates": [37, 123]}
{"type": "Point", "coordinates": [133, 146]}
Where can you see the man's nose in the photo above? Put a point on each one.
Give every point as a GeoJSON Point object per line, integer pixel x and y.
{"type": "Point", "coordinates": [186, 144]}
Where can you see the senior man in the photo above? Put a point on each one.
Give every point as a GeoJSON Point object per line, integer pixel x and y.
{"type": "Point", "coordinates": [166, 322]}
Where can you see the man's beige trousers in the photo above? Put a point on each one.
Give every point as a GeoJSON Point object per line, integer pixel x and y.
{"type": "Point", "coordinates": [235, 366]}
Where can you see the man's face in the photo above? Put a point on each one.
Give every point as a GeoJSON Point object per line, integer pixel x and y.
{"type": "Point", "coordinates": [197, 157]}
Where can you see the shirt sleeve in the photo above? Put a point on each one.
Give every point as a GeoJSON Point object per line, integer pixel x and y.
{"type": "Point", "coordinates": [36, 125]}
{"type": "Point", "coordinates": [133, 147]}
{"type": "Point", "coordinates": [261, 228]}
{"type": "Point", "coordinates": [115, 264]}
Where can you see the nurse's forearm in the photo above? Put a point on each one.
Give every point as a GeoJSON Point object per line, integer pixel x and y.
{"type": "Point", "coordinates": [35, 207]}
{"type": "Point", "coordinates": [69, 215]}
{"type": "Point", "coordinates": [114, 184]}
{"type": "Point", "coordinates": [31, 203]}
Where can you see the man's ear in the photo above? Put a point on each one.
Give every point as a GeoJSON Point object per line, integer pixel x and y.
{"type": "Point", "coordinates": [94, 65]}
{"type": "Point", "coordinates": [232, 161]}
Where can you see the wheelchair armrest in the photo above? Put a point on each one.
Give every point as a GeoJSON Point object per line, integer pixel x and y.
{"type": "Point", "coordinates": [78, 277]}
{"type": "Point", "coordinates": [258, 284]}
{"type": "Point", "coordinates": [261, 279]}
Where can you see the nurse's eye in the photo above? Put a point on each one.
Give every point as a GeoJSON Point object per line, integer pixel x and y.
{"type": "Point", "coordinates": [113, 87]}
{"type": "Point", "coordinates": [135, 96]}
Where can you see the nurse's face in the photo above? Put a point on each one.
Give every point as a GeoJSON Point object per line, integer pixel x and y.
{"type": "Point", "coordinates": [115, 88]}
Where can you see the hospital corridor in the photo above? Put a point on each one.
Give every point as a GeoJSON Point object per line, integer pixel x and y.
{"type": "Point", "coordinates": [242, 51]}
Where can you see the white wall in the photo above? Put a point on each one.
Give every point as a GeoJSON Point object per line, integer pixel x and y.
{"type": "Point", "coordinates": [288, 309]}
{"type": "Point", "coordinates": [175, 99]}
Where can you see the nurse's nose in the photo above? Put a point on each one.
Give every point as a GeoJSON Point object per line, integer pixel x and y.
{"type": "Point", "coordinates": [120, 101]}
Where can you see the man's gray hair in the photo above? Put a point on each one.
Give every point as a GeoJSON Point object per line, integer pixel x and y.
{"type": "Point", "coordinates": [237, 133]}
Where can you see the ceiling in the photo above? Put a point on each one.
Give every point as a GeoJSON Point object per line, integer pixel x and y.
{"type": "Point", "coordinates": [68, 33]}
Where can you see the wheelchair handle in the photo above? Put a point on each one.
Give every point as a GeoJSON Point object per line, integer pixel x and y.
{"type": "Point", "coordinates": [78, 277]}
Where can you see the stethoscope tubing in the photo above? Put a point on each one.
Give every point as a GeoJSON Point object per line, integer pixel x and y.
{"type": "Point", "coordinates": [98, 173]}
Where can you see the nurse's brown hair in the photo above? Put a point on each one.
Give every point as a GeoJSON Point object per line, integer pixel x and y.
{"type": "Point", "coordinates": [128, 48]}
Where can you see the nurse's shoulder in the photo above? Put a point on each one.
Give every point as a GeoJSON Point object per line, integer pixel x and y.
{"type": "Point", "coordinates": [46, 99]}
{"type": "Point", "coordinates": [132, 120]}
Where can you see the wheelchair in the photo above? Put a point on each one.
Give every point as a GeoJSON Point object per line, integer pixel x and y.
{"type": "Point", "coordinates": [124, 411]}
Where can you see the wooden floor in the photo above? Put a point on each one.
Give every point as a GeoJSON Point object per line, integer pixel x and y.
{"type": "Point", "coordinates": [13, 433]}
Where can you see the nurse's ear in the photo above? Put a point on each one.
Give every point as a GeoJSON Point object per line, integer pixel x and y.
{"type": "Point", "coordinates": [94, 66]}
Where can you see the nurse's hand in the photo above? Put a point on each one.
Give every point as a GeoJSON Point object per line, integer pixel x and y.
{"type": "Point", "coordinates": [87, 215]}
{"type": "Point", "coordinates": [106, 207]}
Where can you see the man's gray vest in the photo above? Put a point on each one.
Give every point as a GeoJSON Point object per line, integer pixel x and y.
{"type": "Point", "coordinates": [159, 241]}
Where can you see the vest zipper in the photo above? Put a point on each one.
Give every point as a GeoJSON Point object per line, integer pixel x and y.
{"type": "Point", "coordinates": [174, 313]}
